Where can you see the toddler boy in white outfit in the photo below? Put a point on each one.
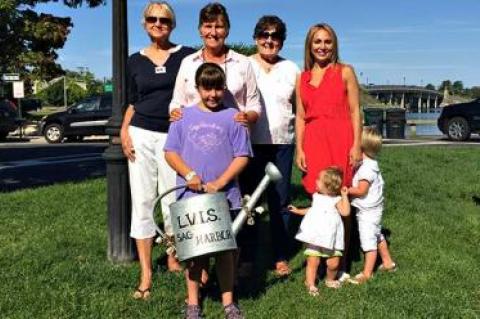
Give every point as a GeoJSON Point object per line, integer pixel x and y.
{"type": "Point", "coordinates": [367, 195]}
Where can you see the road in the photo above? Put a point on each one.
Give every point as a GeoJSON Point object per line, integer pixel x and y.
{"type": "Point", "coordinates": [34, 163]}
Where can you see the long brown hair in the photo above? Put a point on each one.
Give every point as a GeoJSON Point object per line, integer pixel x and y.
{"type": "Point", "coordinates": [309, 61]}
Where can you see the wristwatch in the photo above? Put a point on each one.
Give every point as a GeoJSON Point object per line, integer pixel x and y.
{"type": "Point", "coordinates": [190, 175]}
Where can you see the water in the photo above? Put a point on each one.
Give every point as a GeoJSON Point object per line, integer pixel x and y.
{"type": "Point", "coordinates": [424, 129]}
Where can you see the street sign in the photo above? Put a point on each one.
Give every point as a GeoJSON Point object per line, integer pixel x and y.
{"type": "Point", "coordinates": [107, 88]}
{"type": "Point", "coordinates": [18, 91]}
{"type": "Point", "coordinates": [10, 77]}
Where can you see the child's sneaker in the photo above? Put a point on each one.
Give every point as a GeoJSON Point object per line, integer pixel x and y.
{"type": "Point", "coordinates": [334, 284]}
{"type": "Point", "coordinates": [233, 312]}
{"type": "Point", "coordinates": [343, 276]}
{"type": "Point", "coordinates": [392, 268]}
{"type": "Point", "coordinates": [193, 312]}
{"type": "Point", "coordinates": [359, 279]}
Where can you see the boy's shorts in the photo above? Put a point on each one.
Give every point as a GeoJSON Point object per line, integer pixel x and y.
{"type": "Point", "coordinates": [370, 229]}
{"type": "Point", "coordinates": [317, 251]}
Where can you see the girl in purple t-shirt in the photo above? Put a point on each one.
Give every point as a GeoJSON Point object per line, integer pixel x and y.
{"type": "Point", "coordinates": [208, 150]}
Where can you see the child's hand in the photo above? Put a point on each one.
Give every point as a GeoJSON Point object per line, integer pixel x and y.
{"type": "Point", "coordinates": [195, 183]}
{"type": "Point", "coordinates": [344, 191]}
{"type": "Point", "coordinates": [212, 187]}
{"type": "Point", "coordinates": [292, 209]}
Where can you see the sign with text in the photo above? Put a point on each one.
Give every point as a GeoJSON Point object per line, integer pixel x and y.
{"type": "Point", "coordinates": [18, 91]}
{"type": "Point", "coordinates": [10, 77]}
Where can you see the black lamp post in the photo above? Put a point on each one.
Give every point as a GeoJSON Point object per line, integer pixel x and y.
{"type": "Point", "coordinates": [120, 246]}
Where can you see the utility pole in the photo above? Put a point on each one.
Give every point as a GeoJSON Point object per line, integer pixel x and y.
{"type": "Point", "coordinates": [65, 102]}
{"type": "Point", "coordinates": [121, 247]}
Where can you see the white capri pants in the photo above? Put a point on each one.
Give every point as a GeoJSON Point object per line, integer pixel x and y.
{"type": "Point", "coordinates": [150, 175]}
{"type": "Point", "coordinates": [369, 228]}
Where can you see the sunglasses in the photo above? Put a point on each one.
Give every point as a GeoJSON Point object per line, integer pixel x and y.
{"type": "Point", "coordinates": [162, 20]}
{"type": "Point", "coordinates": [265, 35]}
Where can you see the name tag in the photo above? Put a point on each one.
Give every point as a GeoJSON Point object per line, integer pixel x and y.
{"type": "Point", "coordinates": [160, 69]}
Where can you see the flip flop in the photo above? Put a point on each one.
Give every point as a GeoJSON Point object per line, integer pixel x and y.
{"type": "Point", "coordinates": [392, 268]}
{"type": "Point", "coordinates": [142, 294]}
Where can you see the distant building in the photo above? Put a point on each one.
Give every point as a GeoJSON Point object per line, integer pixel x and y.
{"type": "Point", "coordinates": [412, 98]}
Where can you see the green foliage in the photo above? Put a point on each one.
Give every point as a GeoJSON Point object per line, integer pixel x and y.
{"type": "Point", "coordinates": [245, 49]}
{"type": "Point", "coordinates": [430, 86]}
{"type": "Point", "coordinates": [29, 40]}
{"type": "Point", "coordinates": [54, 240]}
{"type": "Point", "coordinates": [94, 86]}
{"type": "Point", "coordinates": [54, 94]}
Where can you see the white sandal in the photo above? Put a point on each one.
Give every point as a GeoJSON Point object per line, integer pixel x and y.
{"type": "Point", "coordinates": [334, 284]}
{"type": "Point", "coordinates": [313, 291]}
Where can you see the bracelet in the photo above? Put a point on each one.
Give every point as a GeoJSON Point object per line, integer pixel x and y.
{"type": "Point", "coordinates": [190, 175]}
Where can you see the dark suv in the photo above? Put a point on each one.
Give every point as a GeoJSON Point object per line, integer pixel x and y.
{"type": "Point", "coordinates": [88, 117]}
{"type": "Point", "coordinates": [458, 121]}
{"type": "Point", "coordinates": [9, 121]}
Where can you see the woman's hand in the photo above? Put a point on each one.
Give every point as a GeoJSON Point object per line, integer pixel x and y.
{"type": "Point", "coordinates": [242, 118]}
{"type": "Point", "coordinates": [176, 115]}
{"type": "Point", "coordinates": [355, 156]}
{"type": "Point", "coordinates": [195, 183]}
{"type": "Point", "coordinates": [300, 161]}
{"type": "Point", "coordinates": [127, 145]}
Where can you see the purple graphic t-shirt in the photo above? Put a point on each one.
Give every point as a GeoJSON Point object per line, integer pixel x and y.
{"type": "Point", "coordinates": [208, 142]}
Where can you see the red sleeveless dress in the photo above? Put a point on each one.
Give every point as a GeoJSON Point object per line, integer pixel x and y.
{"type": "Point", "coordinates": [328, 135]}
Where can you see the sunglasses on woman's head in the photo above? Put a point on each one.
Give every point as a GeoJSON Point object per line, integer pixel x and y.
{"type": "Point", "coordinates": [275, 35]}
{"type": "Point", "coordinates": [162, 20]}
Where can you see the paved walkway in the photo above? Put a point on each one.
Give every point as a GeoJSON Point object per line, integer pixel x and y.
{"type": "Point", "coordinates": [417, 141]}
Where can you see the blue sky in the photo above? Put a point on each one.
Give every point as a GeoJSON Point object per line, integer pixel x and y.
{"type": "Point", "coordinates": [423, 41]}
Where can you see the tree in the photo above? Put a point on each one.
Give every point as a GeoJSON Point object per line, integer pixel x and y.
{"type": "Point", "coordinates": [457, 87]}
{"type": "Point", "coordinates": [54, 94]}
{"type": "Point", "coordinates": [447, 84]}
{"type": "Point", "coordinates": [430, 86]}
{"type": "Point", "coordinates": [29, 40]}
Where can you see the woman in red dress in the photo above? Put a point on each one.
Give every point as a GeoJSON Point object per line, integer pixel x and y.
{"type": "Point", "coordinates": [328, 124]}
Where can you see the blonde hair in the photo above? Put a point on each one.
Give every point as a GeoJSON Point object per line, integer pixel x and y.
{"type": "Point", "coordinates": [164, 6]}
{"type": "Point", "coordinates": [309, 61]}
{"type": "Point", "coordinates": [332, 178]}
{"type": "Point", "coordinates": [371, 141]}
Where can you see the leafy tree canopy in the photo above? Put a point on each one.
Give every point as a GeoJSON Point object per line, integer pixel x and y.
{"type": "Point", "coordinates": [30, 40]}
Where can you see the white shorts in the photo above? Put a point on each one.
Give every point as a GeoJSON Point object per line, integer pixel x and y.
{"type": "Point", "coordinates": [369, 228]}
{"type": "Point", "coordinates": [150, 175]}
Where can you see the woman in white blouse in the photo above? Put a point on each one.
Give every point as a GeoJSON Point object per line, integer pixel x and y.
{"type": "Point", "coordinates": [273, 134]}
{"type": "Point", "coordinates": [241, 92]}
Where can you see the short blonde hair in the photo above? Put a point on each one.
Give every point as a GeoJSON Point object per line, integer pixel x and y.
{"type": "Point", "coordinates": [371, 141]}
{"type": "Point", "coordinates": [164, 6]}
{"type": "Point", "coordinates": [309, 61]}
{"type": "Point", "coordinates": [332, 178]}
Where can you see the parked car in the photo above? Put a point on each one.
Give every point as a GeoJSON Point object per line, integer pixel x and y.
{"type": "Point", "coordinates": [87, 117]}
{"type": "Point", "coordinates": [9, 121]}
{"type": "Point", "coordinates": [458, 121]}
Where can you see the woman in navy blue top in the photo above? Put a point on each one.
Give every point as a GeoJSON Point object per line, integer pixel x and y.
{"type": "Point", "coordinates": [151, 79]}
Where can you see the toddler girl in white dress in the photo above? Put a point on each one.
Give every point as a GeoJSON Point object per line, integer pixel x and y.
{"type": "Point", "coordinates": [322, 228]}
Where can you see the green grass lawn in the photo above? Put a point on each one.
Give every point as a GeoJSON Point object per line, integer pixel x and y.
{"type": "Point", "coordinates": [53, 253]}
